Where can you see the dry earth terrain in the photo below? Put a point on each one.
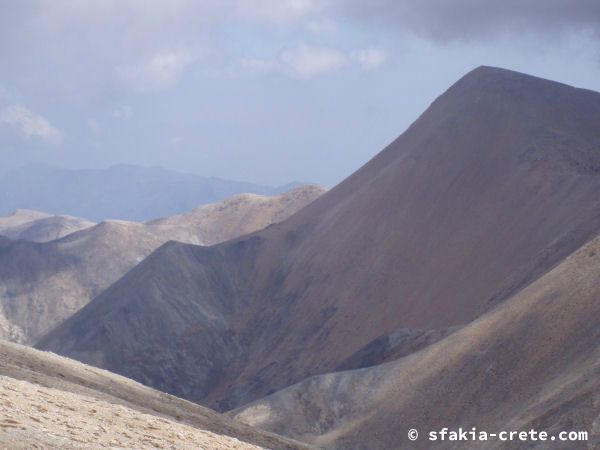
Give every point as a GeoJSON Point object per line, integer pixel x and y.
{"type": "Point", "coordinates": [51, 402]}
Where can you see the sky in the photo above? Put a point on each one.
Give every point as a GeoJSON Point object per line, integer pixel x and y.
{"type": "Point", "coordinates": [266, 91]}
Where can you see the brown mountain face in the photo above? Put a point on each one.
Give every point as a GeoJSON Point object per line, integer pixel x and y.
{"type": "Point", "coordinates": [53, 402]}
{"type": "Point", "coordinates": [531, 363]}
{"type": "Point", "coordinates": [497, 182]}
{"type": "Point", "coordinates": [41, 284]}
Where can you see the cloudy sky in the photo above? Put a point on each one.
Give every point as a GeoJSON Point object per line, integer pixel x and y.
{"type": "Point", "coordinates": [267, 91]}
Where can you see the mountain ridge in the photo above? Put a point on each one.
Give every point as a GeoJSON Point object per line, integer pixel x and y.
{"type": "Point", "coordinates": [41, 284]}
{"type": "Point", "coordinates": [39, 226]}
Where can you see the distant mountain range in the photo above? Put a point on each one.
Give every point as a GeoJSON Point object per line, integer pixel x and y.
{"type": "Point", "coordinates": [126, 192]}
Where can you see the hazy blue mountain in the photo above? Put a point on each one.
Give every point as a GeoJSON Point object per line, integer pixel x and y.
{"type": "Point", "coordinates": [120, 192]}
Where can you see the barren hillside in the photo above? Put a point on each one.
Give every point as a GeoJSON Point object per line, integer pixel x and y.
{"type": "Point", "coordinates": [42, 284]}
{"type": "Point", "coordinates": [51, 402]}
{"type": "Point", "coordinates": [533, 362]}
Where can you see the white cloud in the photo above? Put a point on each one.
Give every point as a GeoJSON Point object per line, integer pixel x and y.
{"type": "Point", "coordinates": [4, 93]}
{"type": "Point", "coordinates": [123, 112]}
{"type": "Point", "coordinates": [278, 11]}
{"type": "Point", "coordinates": [159, 72]}
{"type": "Point", "coordinates": [322, 26]}
{"type": "Point", "coordinates": [29, 124]}
{"type": "Point", "coordinates": [93, 125]}
{"type": "Point", "coordinates": [257, 64]}
{"type": "Point", "coordinates": [175, 140]}
{"type": "Point", "coordinates": [307, 62]}
{"type": "Point", "coordinates": [369, 58]}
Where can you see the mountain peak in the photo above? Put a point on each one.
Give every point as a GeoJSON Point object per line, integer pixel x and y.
{"type": "Point", "coordinates": [500, 74]}
{"type": "Point", "coordinates": [511, 85]}
{"type": "Point", "coordinates": [537, 108]}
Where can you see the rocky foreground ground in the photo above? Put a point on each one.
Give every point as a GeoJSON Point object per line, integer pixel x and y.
{"type": "Point", "coordinates": [47, 401]}
{"type": "Point", "coordinates": [34, 416]}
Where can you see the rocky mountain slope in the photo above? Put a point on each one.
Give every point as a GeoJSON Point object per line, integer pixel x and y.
{"type": "Point", "coordinates": [41, 284]}
{"type": "Point", "coordinates": [51, 402]}
{"type": "Point", "coordinates": [533, 362]}
{"type": "Point", "coordinates": [38, 226]}
{"type": "Point", "coordinates": [495, 184]}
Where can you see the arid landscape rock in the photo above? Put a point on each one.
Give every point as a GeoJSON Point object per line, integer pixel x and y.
{"type": "Point", "coordinates": [51, 402]}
